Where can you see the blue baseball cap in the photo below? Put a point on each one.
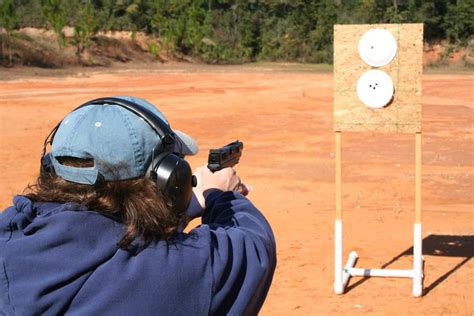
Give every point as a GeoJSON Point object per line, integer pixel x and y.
{"type": "Point", "coordinates": [119, 142]}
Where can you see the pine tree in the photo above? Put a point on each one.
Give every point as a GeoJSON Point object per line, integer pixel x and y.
{"type": "Point", "coordinates": [9, 21]}
{"type": "Point", "coordinates": [84, 26]}
{"type": "Point", "coordinates": [55, 14]}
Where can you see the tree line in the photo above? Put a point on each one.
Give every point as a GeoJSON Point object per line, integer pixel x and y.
{"type": "Point", "coordinates": [220, 31]}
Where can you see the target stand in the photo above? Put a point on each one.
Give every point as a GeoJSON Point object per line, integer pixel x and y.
{"type": "Point", "coordinates": [342, 274]}
{"type": "Point", "coordinates": [377, 87]}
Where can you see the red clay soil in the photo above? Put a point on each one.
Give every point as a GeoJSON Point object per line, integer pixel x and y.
{"type": "Point", "coordinates": [285, 121]}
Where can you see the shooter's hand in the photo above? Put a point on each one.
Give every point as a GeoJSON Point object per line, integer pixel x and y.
{"type": "Point", "coordinates": [224, 180]}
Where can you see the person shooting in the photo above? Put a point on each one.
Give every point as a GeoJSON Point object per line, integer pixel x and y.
{"type": "Point", "coordinates": [100, 232]}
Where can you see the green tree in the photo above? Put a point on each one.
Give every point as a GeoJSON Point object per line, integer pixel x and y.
{"type": "Point", "coordinates": [84, 26]}
{"type": "Point", "coordinates": [178, 24]}
{"type": "Point", "coordinates": [9, 21]}
{"type": "Point", "coordinates": [27, 12]}
{"type": "Point", "coordinates": [459, 21]}
{"type": "Point", "coordinates": [322, 36]}
{"type": "Point", "coordinates": [55, 14]}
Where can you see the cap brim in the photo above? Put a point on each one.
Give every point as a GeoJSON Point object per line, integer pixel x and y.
{"type": "Point", "coordinates": [185, 144]}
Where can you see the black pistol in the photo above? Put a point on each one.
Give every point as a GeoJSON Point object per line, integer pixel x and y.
{"type": "Point", "coordinates": [226, 156]}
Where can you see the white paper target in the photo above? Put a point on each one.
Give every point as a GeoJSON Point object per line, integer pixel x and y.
{"type": "Point", "coordinates": [375, 88]}
{"type": "Point", "coordinates": [377, 47]}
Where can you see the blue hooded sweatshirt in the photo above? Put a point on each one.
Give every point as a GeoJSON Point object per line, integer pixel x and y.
{"type": "Point", "coordinates": [64, 259]}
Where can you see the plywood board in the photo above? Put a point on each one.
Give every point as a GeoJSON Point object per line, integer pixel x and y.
{"type": "Point", "coordinates": [403, 114]}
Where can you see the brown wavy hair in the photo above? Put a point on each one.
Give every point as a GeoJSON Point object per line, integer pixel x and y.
{"type": "Point", "coordinates": [137, 203]}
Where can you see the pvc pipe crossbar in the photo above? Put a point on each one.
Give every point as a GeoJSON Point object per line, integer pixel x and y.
{"type": "Point", "coordinates": [380, 273]}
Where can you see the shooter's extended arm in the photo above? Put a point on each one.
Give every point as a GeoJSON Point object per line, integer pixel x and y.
{"type": "Point", "coordinates": [226, 156]}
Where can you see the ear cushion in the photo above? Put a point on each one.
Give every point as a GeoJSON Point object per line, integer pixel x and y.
{"type": "Point", "coordinates": [173, 176]}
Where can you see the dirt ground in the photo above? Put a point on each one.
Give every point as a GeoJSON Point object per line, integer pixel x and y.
{"type": "Point", "coordinates": [284, 118]}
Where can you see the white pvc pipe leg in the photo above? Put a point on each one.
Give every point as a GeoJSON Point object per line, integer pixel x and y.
{"type": "Point", "coordinates": [349, 265]}
{"type": "Point", "coordinates": [338, 284]}
{"type": "Point", "coordinates": [417, 261]}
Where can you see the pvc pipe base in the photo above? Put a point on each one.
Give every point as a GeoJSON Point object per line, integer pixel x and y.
{"type": "Point", "coordinates": [342, 275]}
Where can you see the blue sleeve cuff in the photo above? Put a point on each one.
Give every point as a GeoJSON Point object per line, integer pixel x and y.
{"type": "Point", "coordinates": [212, 197]}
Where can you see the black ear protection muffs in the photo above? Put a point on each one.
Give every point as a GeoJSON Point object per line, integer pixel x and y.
{"type": "Point", "coordinates": [171, 173]}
